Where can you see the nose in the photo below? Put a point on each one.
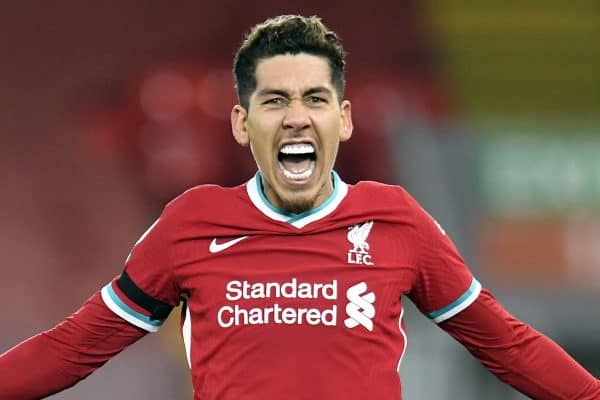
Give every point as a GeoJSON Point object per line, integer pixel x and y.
{"type": "Point", "coordinates": [297, 116]}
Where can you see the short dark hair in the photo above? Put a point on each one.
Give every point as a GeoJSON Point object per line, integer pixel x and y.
{"type": "Point", "coordinates": [287, 34]}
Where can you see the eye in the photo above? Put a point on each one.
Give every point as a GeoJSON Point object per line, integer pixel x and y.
{"type": "Point", "coordinates": [315, 100]}
{"type": "Point", "coordinates": [275, 101]}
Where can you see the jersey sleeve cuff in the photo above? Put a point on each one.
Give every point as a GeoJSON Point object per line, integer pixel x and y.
{"type": "Point", "coordinates": [464, 301]}
{"type": "Point", "coordinates": [119, 307]}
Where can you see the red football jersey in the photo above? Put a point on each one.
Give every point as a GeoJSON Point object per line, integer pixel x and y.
{"type": "Point", "coordinates": [278, 303]}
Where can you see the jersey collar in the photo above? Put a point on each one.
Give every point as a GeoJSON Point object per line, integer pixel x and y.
{"type": "Point", "coordinates": [258, 198]}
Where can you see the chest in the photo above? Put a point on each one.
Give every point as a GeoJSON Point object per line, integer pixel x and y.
{"type": "Point", "coordinates": [302, 270]}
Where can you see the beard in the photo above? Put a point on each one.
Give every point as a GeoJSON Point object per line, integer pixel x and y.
{"type": "Point", "coordinates": [295, 202]}
{"type": "Point", "coordinates": [297, 205]}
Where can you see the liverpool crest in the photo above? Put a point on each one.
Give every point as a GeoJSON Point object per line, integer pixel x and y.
{"type": "Point", "coordinates": [357, 235]}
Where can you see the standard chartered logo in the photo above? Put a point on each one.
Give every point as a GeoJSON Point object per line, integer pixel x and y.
{"type": "Point", "coordinates": [360, 308]}
{"type": "Point", "coordinates": [235, 314]}
{"type": "Point", "coordinates": [321, 311]}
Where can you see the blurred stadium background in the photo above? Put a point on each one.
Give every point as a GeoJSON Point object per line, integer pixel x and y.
{"type": "Point", "coordinates": [488, 112]}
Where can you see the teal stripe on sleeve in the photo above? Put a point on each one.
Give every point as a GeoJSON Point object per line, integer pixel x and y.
{"type": "Point", "coordinates": [458, 303]}
{"type": "Point", "coordinates": [124, 307]}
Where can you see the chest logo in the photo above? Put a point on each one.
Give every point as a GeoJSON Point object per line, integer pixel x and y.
{"type": "Point", "coordinates": [215, 247]}
{"type": "Point", "coordinates": [357, 235]}
{"type": "Point", "coordinates": [360, 307]}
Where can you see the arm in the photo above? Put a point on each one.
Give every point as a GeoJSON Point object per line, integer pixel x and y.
{"type": "Point", "coordinates": [519, 355]}
{"type": "Point", "coordinates": [445, 290]}
{"type": "Point", "coordinates": [60, 357]}
{"type": "Point", "coordinates": [136, 302]}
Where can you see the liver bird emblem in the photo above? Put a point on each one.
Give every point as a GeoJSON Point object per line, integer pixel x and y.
{"type": "Point", "coordinates": [358, 235]}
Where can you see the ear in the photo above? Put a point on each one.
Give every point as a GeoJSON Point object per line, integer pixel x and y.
{"type": "Point", "coordinates": [239, 117]}
{"type": "Point", "coordinates": [347, 126]}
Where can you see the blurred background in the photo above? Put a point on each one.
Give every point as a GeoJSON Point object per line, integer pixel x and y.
{"type": "Point", "coordinates": [487, 112]}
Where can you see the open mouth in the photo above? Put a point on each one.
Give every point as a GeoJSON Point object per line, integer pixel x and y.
{"type": "Point", "coordinates": [297, 161]}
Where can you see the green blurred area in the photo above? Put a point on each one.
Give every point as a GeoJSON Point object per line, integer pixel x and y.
{"type": "Point", "coordinates": [520, 172]}
{"type": "Point", "coordinates": [522, 58]}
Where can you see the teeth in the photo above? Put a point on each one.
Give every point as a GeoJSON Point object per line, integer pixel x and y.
{"type": "Point", "coordinates": [299, 176]}
{"type": "Point", "coordinates": [297, 148]}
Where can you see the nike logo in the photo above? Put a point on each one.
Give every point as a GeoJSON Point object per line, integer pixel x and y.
{"type": "Point", "coordinates": [217, 247]}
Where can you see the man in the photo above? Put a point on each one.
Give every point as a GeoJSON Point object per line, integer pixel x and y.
{"type": "Point", "coordinates": [292, 283]}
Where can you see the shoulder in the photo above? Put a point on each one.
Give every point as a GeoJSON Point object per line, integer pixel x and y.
{"type": "Point", "coordinates": [203, 194]}
{"type": "Point", "coordinates": [392, 203]}
{"type": "Point", "coordinates": [191, 199]}
{"type": "Point", "coordinates": [204, 200]}
{"type": "Point", "coordinates": [394, 196]}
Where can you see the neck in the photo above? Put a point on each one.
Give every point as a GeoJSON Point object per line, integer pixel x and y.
{"type": "Point", "coordinates": [299, 202]}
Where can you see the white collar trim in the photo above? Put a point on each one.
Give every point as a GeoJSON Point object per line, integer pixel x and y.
{"type": "Point", "coordinates": [254, 189]}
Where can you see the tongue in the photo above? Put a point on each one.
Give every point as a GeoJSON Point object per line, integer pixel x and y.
{"type": "Point", "coordinates": [296, 165]}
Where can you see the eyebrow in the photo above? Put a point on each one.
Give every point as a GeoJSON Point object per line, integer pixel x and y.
{"type": "Point", "coordinates": [317, 89]}
{"type": "Point", "coordinates": [283, 93]}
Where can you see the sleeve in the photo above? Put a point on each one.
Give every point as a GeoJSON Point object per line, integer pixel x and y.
{"type": "Point", "coordinates": [519, 355]}
{"type": "Point", "coordinates": [146, 292]}
{"type": "Point", "coordinates": [60, 357]}
{"type": "Point", "coordinates": [443, 285]}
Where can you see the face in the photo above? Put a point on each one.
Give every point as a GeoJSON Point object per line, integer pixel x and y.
{"type": "Point", "coordinates": [294, 125]}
